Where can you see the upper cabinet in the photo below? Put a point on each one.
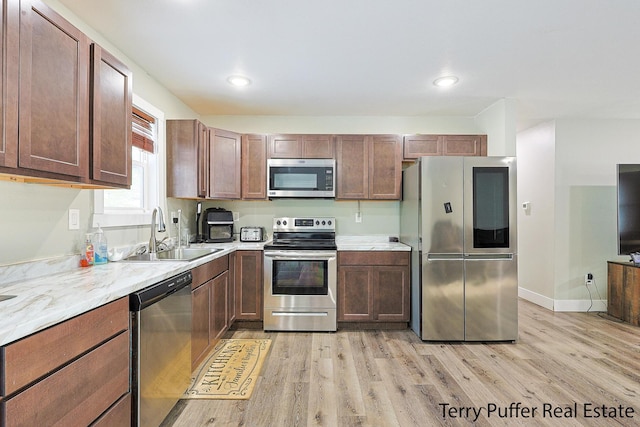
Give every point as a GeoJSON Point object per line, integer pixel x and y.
{"type": "Point", "coordinates": [111, 116]}
{"type": "Point", "coordinates": [369, 167]}
{"type": "Point", "coordinates": [224, 164]}
{"type": "Point", "coordinates": [66, 104]}
{"type": "Point", "coordinates": [254, 167]}
{"type": "Point", "coordinates": [444, 145]}
{"type": "Point", "coordinates": [187, 159]}
{"type": "Point", "coordinates": [301, 146]}
{"type": "Point", "coordinates": [9, 54]}
{"type": "Point", "coordinates": [54, 93]}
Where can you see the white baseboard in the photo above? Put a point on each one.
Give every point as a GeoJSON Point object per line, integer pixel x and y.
{"type": "Point", "coordinates": [560, 304]}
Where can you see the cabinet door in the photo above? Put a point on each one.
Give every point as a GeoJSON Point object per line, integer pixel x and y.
{"type": "Point", "coordinates": [631, 296]}
{"type": "Point", "coordinates": [224, 164]}
{"type": "Point", "coordinates": [231, 298]}
{"type": "Point", "coordinates": [355, 294]}
{"type": "Point", "coordinates": [422, 145]}
{"type": "Point", "coordinates": [352, 163]}
{"type": "Point", "coordinates": [9, 55]}
{"type": "Point", "coordinates": [249, 285]}
{"type": "Point", "coordinates": [254, 167]}
{"type": "Point", "coordinates": [464, 145]}
{"type": "Point", "coordinates": [111, 90]}
{"type": "Point", "coordinates": [318, 147]}
{"type": "Point", "coordinates": [54, 100]}
{"type": "Point", "coordinates": [615, 292]}
{"type": "Point", "coordinates": [219, 316]}
{"type": "Point", "coordinates": [391, 294]}
{"type": "Point", "coordinates": [385, 167]}
{"type": "Point", "coordinates": [200, 304]}
{"type": "Point", "coordinates": [285, 146]}
{"type": "Point", "coordinates": [187, 147]}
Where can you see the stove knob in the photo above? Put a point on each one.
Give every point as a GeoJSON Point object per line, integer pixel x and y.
{"type": "Point", "coordinates": [323, 223]}
{"type": "Point", "coordinates": [329, 222]}
{"type": "Point", "coordinates": [317, 222]}
{"type": "Point", "coordinates": [278, 222]}
{"type": "Point", "coordinates": [284, 222]}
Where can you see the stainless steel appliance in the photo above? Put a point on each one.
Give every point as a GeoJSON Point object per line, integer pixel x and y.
{"type": "Point", "coordinates": [161, 348]}
{"type": "Point", "coordinates": [300, 275]}
{"type": "Point", "coordinates": [217, 225]}
{"type": "Point", "coordinates": [252, 234]}
{"type": "Point", "coordinates": [301, 178]}
{"type": "Point", "coordinates": [459, 216]}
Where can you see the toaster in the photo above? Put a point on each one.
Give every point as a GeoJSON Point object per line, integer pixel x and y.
{"type": "Point", "coordinates": [252, 234]}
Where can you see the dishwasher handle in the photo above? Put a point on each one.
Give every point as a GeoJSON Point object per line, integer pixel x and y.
{"type": "Point", "coordinates": [154, 293]}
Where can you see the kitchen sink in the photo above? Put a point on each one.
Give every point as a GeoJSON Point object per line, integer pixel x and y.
{"type": "Point", "coordinates": [6, 297]}
{"type": "Point", "coordinates": [180, 254]}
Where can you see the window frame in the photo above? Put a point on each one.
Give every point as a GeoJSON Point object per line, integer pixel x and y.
{"type": "Point", "coordinates": [134, 218]}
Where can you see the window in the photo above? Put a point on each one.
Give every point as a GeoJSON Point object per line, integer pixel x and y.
{"type": "Point", "coordinates": [121, 208]}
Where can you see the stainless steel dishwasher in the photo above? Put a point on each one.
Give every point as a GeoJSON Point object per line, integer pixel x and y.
{"type": "Point", "coordinates": [161, 348]}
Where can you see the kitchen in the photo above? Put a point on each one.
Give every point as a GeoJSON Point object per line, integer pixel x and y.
{"type": "Point", "coordinates": [560, 232]}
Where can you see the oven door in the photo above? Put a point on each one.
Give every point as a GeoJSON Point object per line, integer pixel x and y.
{"type": "Point", "coordinates": [300, 290]}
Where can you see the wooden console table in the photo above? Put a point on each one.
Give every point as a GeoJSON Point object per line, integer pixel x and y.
{"type": "Point", "coordinates": [623, 294]}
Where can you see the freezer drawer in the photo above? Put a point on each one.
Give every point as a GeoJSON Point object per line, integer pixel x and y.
{"type": "Point", "coordinates": [443, 298]}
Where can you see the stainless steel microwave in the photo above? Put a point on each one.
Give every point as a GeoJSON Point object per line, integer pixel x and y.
{"type": "Point", "coordinates": [301, 178]}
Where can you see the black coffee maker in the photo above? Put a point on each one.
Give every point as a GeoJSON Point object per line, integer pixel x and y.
{"type": "Point", "coordinates": [217, 225]}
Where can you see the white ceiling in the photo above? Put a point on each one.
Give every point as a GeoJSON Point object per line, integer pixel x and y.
{"type": "Point", "coordinates": [557, 58]}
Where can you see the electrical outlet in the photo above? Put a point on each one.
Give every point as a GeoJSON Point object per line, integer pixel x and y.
{"type": "Point", "coordinates": [74, 219]}
{"type": "Point", "coordinates": [588, 279]}
{"type": "Point", "coordinates": [358, 216]}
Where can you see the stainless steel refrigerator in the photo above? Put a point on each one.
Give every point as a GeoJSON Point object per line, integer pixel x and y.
{"type": "Point", "coordinates": [459, 216]}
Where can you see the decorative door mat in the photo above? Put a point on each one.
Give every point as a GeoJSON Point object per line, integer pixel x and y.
{"type": "Point", "coordinates": [231, 371]}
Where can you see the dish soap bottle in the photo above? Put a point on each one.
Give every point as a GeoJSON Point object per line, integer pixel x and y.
{"type": "Point", "coordinates": [100, 247]}
{"type": "Point", "coordinates": [87, 256]}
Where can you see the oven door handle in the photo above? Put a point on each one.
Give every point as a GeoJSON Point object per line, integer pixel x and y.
{"type": "Point", "coordinates": [291, 255]}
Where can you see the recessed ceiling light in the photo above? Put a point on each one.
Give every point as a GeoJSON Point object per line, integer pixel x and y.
{"type": "Point", "coordinates": [445, 81]}
{"type": "Point", "coordinates": [239, 81]}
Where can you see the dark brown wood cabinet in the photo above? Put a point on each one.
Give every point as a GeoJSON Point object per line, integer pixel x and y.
{"type": "Point", "coordinates": [369, 167]}
{"type": "Point", "coordinates": [373, 286]}
{"type": "Point", "coordinates": [444, 145]}
{"type": "Point", "coordinates": [306, 146]}
{"type": "Point", "coordinates": [73, 372]}
{"type": "Point", "coordinates": [224, 164]}
{"type": "Point", "coordinates": [231, 306]}
{"type": "Point", "coordinates": [110, 130]}
{"type": "Point", "coordinates": [54, 93]}
{"type": "Point", "coordinates": [9, 61]}
{"type": "Point", "coordinates": [209, 300]}
{"type": "Point", "coordinates": [254, 167]}
{"type": "Point", "coordinates": [249, 285]}
{"type": "Point", "coordinates": [623, 294]}
{"type": "Point", "coordinates": [187, 159]}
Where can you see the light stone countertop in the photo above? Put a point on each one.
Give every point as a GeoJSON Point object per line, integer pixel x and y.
{"type": "Point", "coordinates": [54, 290]}
{"type": "Point", "coordinates": [51, 291]}
{"type": "Point", "coordinates": [369, 243]}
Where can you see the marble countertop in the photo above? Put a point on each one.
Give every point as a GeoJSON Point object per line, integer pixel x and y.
{"type": "Point", "coordinates": [369, 243]}
{"type": "Point", "coordinates": [54, 290]}
{"type": "Point", "coordinates": [62, 290]}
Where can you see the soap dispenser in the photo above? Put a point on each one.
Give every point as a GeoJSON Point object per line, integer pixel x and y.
{"type": "Point", "coordinates": [100, 247]}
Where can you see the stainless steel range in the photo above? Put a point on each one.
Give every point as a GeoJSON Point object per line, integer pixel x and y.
{"type": "Point", "coordinates": [300, 275]}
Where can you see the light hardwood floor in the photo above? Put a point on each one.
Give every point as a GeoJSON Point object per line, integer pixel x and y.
{"type": "Point", "coordinates": [391, 378]}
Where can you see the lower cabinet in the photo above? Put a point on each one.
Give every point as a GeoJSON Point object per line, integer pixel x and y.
{"type": "Point", "coordinates": [73, 373]}
{"type": "Point", "coordinates": [373, 286]}
{"type": "Point", "coordinates": [209, 299]}
{"type": "Point", "coordinates": [623, 294]}
{"type": "Point", "coordinates": [249, 285]}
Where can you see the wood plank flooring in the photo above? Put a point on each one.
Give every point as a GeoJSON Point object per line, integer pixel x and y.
{"type": "Point", "coordinates": [561, 362]}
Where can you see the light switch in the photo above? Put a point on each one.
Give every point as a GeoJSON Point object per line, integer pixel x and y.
{"type": "Point", "coordinates": [74, 219]}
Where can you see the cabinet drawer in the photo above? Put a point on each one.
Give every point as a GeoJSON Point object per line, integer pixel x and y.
{"type": "Point", "coordinates": [118, 415]}
{"type": "Point", "coordinates": [208, 271]}
{"type": "Point", "coordinates": [32, 357]}
{"type": "Point", "coordinates": [78, 393]}
{"type": "Point", "coordinates": [373, 258]}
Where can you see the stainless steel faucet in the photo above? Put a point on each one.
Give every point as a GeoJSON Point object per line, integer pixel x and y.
{"type": "Point", "coordinates": [153, 243]}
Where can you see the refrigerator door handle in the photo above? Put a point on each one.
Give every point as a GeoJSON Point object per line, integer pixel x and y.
{"type": "Point", "coordinates": [444, 257]}
{"type": "Point", "coordinates": [488, 257]}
